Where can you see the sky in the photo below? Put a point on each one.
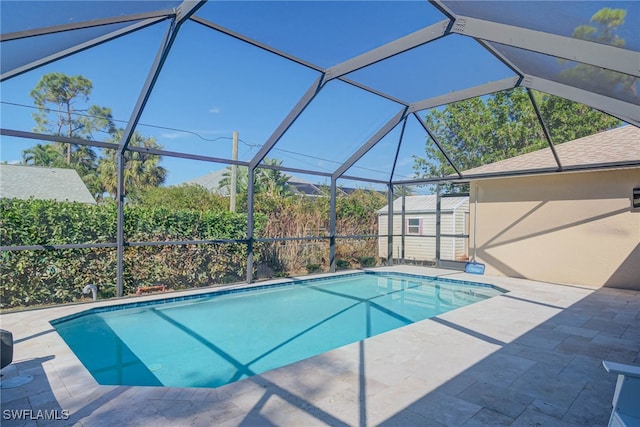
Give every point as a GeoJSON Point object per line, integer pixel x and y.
{"type": "Point", "coordinates": [212, 85]}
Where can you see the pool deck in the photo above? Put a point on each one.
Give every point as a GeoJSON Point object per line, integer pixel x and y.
{"type": "Point", "coordinates": [532, 356]}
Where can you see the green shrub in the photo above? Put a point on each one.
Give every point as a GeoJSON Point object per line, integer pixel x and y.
{"type": "Point", "coordinates": [367, 261]}
{"type": "Point", "coordinates": [313, 268]}
{"type": "Point", "coordinates": [343, 264]}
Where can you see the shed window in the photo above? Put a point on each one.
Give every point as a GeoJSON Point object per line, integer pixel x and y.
{"type": "Point", "coordinates": [414, 225]}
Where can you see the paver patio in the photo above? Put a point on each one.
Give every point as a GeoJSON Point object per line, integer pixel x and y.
{"type": "Point", "coordinates": [531, 356]}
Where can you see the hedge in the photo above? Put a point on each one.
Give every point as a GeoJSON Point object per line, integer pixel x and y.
{"type": "Point", "coordinates": [43, 277]}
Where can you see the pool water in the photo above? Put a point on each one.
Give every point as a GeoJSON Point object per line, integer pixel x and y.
{"type": "Point", "coordinates": [219, 338]}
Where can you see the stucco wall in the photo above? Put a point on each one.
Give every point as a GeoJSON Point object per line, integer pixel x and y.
{"type": "Point", "coordinates": [574, 228]}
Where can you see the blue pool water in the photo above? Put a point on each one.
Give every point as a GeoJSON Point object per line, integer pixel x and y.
{"type": "Point", "coordinates": [218, 338]}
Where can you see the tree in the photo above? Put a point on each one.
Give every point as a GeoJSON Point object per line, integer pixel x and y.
{"type": "Point", "coordinates": [268, 183]}
{"type": "Point", "coordinates": [603, 29]}
{"type": "Point", "coordinates": [360, 206]}
{"type": "Point", "coordinates": [242, 180]}
{"type": "Point", "coordinates": [475, 132]}
{"type": "Point", "coordinates": [62, 110]}
{"type": "Point", "coordinates": [274, 182]}
{"type": "Point", "coordinates": [58, 99]}
{"type": "Point", "coordinates": [141, 170]}
{"type": "Point", "coordinates": [607, 21]}
{"type": "Point", "coordinates": [48, 155]}
{"type": "Point", "coordinates": [568, 120]}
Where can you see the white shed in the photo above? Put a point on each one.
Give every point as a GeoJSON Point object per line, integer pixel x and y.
{"type": "Point", "coordinates": [420, 228]}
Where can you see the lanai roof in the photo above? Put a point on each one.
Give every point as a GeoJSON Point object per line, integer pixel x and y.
{"type": "Point", "coordinates": [404, 58]}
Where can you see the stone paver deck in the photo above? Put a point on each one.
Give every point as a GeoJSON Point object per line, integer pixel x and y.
{"type": "Point", "coordinates": [529, 357]}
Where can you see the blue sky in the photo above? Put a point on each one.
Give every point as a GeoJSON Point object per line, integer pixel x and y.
{"type": "Point", "coordinates": [212, 84]}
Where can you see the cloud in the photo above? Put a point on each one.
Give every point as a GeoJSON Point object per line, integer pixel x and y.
{"type": "Point", "coordinates": [214, 110]}
{"type": "Point", "coordinates": [174, 135]}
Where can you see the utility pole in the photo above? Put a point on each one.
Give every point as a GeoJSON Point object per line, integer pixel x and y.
{"type": "Point", "coordinates": [234, 173]}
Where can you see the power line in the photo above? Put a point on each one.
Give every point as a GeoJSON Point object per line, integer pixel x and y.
{"type": "Point", "coordinates": [125, 121]}
{"type": "Point", "coordinates": [248, 144]}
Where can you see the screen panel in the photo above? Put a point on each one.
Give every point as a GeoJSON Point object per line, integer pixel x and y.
{"type": "Point", "coordinates": [212, 85]}
{"type": "Point", "coordinates": [609, 22]}
{"type": "Point", "coordinates": [28, 15]}
{"type": "Point", "coordinates": [324, 33]}
{"type": "Point", "coordinates": [339, 120]}
{"type": "Point", "coordinates": [588, 77]}
{"type": "Point", "coordinates": [436, 68]}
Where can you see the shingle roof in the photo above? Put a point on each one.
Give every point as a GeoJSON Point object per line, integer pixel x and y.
{"type": "Point", "coordinates": [211, 182]}
{"type": "Point", "coordinates": [616, 145]}
{"type": "Point", "coordinates": [425, 203]}
{"type": "Point", "coordinates": [24, 182]}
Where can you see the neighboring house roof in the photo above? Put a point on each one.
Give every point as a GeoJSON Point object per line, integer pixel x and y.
{"type": "Point", "coordinates": [211, 181]}
{"type": "Point", "coordinates": [416, 204]}
{"type": "Point", "coordinates": [616, 145]}
{"type": "Point", "coordinates": [24, 182]}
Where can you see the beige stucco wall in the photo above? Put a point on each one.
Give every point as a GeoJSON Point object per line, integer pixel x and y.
{"type": "Point", "coordinates": [574, 228]}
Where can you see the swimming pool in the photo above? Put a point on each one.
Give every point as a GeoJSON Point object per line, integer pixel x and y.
{"type": "Point", "coordinates": [213, 339]}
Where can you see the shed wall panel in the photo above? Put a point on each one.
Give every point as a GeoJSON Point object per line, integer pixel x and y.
{"type": "Point", "coordinates": [420, 247]}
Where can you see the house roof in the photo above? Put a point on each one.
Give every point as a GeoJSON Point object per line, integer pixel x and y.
{"type": "Point", "coordinates": [616, 145]}
{"type": "Point", "coordinates": [427, 203]}
{"type": "Point", "coordinates": [211, 181]}
{"type": "Point", "coordinates": [24, 182]}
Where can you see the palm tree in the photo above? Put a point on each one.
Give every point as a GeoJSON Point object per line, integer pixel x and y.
{"type": "Point", "coordinates": [242, 180]}
{"type": "Point", "coordinates": [141, 170]}
{"type": "Point", "coordinates": [50, 155]}
{"type": "Point", "coordinates": [274, 181]}
{"type": "Point", "coordinates": [267, 181]}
